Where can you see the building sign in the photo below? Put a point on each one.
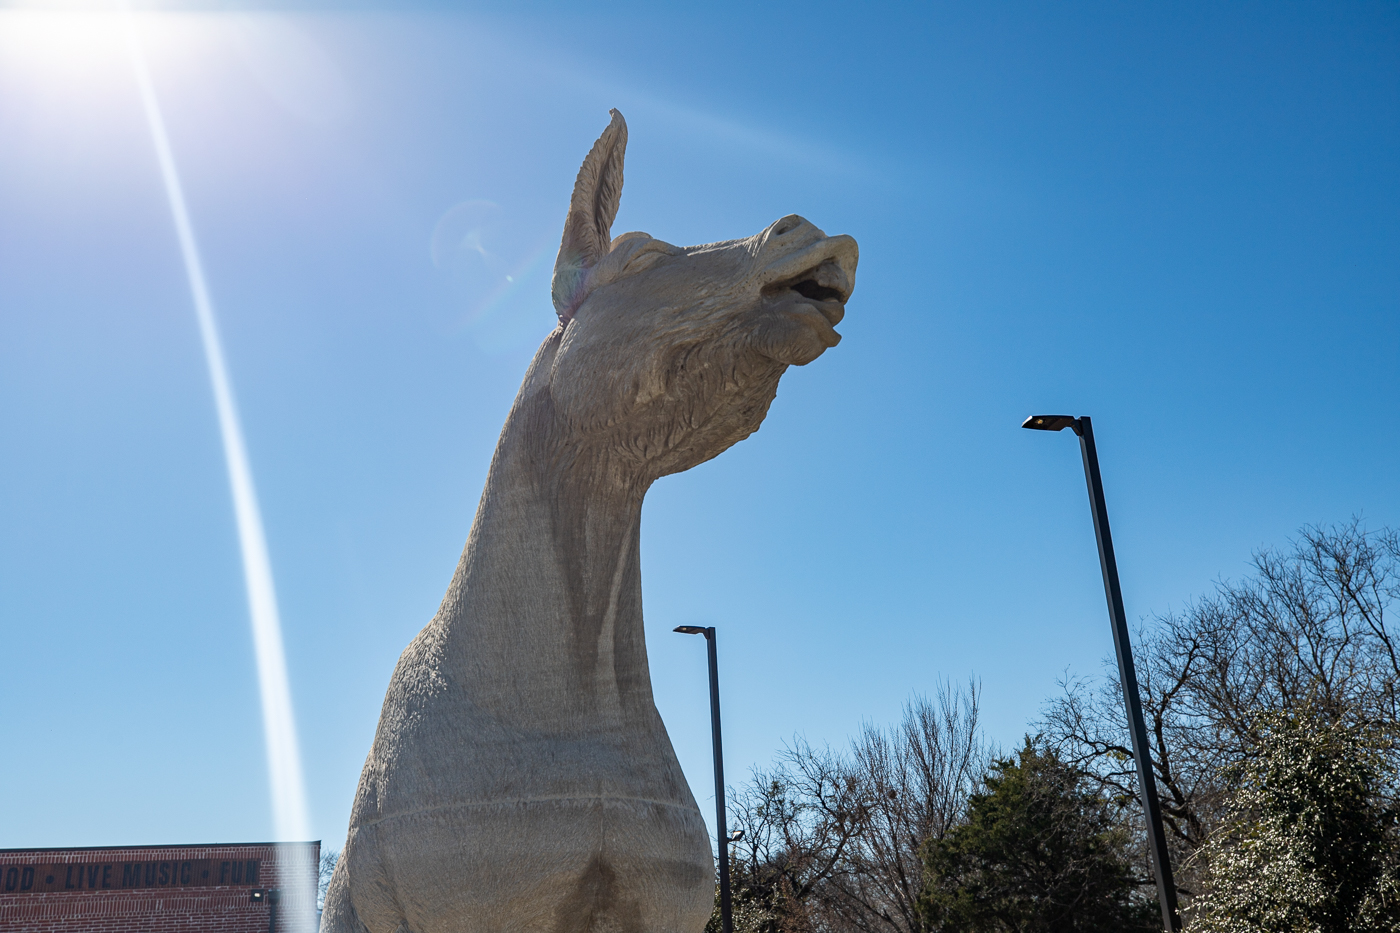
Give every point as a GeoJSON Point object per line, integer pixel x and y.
{"type": "Point", "coordinates": [78, 889]}
{"type": "Point", "coordinates": [92, 876]}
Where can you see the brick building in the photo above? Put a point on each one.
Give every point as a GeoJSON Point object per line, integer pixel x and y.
{"type": "Point", "coordinates": [160, 889]}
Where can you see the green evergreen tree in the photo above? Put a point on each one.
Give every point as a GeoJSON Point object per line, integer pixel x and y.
{"type": "Point", "coordinates": [1040, 852]}
{"type": "Point", "coordinates": [1310, 844]}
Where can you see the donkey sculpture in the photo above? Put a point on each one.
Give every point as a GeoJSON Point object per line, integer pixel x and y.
{"type": "Point", "coordinates": [521, 780]}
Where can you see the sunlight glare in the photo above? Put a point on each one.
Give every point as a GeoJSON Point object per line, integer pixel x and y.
{"type": "Point", "coordinates": [62, 42]}
{"type": "Point", "coordinates": [283, 755]}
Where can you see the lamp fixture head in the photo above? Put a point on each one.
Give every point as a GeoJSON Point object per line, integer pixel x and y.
{"type": "Point", "coordinates": [690, 630]}
{"type": "Point", "coordinates": [1051, 423]}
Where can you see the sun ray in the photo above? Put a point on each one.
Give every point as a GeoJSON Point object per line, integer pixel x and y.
{"type": "Point", "coordinates": [283, 756]}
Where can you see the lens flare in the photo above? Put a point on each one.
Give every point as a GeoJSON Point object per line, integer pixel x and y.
{"type": "Point", "coordinates": [283, 758]}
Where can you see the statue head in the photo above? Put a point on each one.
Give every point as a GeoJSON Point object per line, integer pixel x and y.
{"type": "Point", "coordinates": [668, 355]}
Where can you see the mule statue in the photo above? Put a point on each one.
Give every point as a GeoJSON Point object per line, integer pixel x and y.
{"type": "Point", "coordinates": [521, 779]}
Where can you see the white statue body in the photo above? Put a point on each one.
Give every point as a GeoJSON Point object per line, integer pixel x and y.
{"type": "Point", "coordinates": [521, 779]}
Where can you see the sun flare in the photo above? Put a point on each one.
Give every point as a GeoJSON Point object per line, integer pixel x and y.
{"type": "Point", "coordinates": [69, 45]}
{"type": "Point", "coordinates": [66, 41]}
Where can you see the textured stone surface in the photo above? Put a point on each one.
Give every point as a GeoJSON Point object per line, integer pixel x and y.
{"type": "Point", "coordinates": [521, 778]}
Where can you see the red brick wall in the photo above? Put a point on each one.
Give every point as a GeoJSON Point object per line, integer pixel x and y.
{"type": "Point", "coordinates": [157, 889]}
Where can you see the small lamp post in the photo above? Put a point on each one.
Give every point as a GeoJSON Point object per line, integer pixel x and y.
{"type": "Point", "coordinates": [1127, 674]}
{"type": "Point", "coordinates": [726, 916]}
{"type": "Point", "coordinates": [271, 897]}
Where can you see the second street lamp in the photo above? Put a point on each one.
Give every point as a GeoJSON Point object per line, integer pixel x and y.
{"type": "Point", "coordinates": [1127, 674]}
{"type": "Point", "coordinates": [726, 917]}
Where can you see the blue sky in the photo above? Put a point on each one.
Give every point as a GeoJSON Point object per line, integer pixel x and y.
{"type": "Point", "coordinates": [1183, 220]}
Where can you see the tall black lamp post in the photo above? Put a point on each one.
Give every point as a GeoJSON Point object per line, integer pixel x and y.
{"type": "Point", "coordinates": [726, 917]}
{"type": "Point", "coordinates": [1127, 674]}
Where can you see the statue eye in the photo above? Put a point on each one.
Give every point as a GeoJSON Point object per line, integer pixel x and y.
{"type": "Point", "coordinates": [644, 259]}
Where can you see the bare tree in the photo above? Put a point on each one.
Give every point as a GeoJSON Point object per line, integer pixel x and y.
{"type": "Point", "coordinates": [327, 868]}
{"type": "Point", "coordinates": [799, 821]}
{"type": "Point", "coordinates": [1309, 626]}
{"type": "Point", "coordinates": [917, 778]}
{"type": "Point", "coordinates": [832, 840]}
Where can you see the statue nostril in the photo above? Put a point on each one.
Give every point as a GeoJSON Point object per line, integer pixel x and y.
{"type": "Point", "coordinates": [787, 225]}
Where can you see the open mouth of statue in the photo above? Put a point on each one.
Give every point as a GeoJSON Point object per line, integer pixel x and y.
{"type": "Point", "coordinates": [811, 288]}
{"type": "Point", "coordinates": [825, 287]}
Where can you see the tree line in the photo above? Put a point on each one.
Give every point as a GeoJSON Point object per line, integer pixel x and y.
{"type": "Point", "coordinates": [1271, 709]}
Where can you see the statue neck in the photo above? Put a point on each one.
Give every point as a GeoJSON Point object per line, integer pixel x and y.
{"type": "Point", "coordinates": [543, 620]}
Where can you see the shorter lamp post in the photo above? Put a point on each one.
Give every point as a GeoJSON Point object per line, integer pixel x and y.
{"type": "Point", "coordinates": [271, 896]}
{"type": "Point", "coordinates": [726, 917]}
{"type": "Point", "coordinates": [1127, 674]}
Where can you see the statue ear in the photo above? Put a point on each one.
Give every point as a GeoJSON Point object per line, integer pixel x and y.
{"type": "Point", "coordinates": [588, 228]}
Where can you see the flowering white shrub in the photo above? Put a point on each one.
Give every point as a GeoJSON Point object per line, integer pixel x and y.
{"type": "Point", "coordinates": [1310, 844]}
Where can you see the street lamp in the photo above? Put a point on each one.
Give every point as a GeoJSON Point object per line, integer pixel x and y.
{"type": "Point", "coordinates": [726, 917]}
{"type": "Point", "coordinates": [1137, 728]}
{"type": "Point", "coordinates": [270, 896]}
